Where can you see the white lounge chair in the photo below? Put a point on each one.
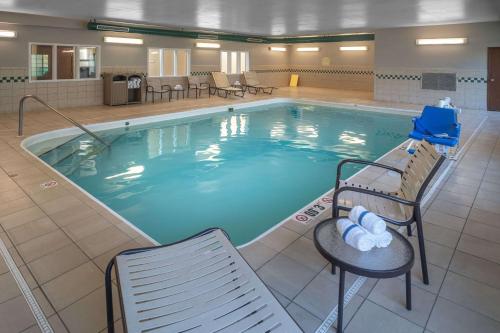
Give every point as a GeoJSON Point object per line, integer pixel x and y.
{"type": "Point", "coordinates": [222, 84]}
{"type": "Point", "coordinates": [197, 285]}
{"type": "Point", "coordinates": [252, 83]}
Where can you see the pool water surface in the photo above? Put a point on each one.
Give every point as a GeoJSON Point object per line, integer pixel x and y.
{"type": "Point", "coordinates": [244, 171]}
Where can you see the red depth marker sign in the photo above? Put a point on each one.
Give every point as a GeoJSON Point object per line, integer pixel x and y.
{"type": "Point", "coordinates": [314, 210]}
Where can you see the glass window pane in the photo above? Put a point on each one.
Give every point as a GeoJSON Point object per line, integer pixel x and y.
{"type": "Point", "coordinates": [234, 62]}
{"type": "Point", "coordinates": [65, 62]}
{"type": "Point", "coordinates": [182, 62]}
{"type": "Point", "coordinates": [154, 62]}
{"type": "Point", "coordinates": [87, 59]}
{"type": "Point", "coordinates": [223, 62]}
{"type": "Point", "coordinates": [168, 62]}
{"type": "Point", "coordinates": [41, 62]}
{"type": "Point", "coordinates": [243, 62]}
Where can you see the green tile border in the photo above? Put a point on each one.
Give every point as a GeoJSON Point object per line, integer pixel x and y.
{"type": "Point", "coordinates": [461, 79]}
{"type": "Point", "coordinates": [464, 79]}
{"type": "Point", "coordinates": [299, 70]}
{"type": "Point", "coordinates": [8, 79]}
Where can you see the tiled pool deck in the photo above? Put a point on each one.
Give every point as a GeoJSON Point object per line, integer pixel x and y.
{"type": "Point", "coordinates": [61, 240]}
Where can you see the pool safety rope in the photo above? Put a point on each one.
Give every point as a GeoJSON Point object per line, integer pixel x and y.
{"type": "Point", "coordinates": [358, 283]}
{"type": "Point", "coordinates": [41, 320]}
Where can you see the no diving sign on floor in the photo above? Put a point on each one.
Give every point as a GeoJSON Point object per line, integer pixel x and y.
{"type": "Point", "coordinates": [311, 212]}
{"type": "Point", "coordinates": [48, 184]}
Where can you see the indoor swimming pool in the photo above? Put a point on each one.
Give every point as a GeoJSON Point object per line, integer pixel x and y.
{"type": "Point", "coordinates": [244, 171]}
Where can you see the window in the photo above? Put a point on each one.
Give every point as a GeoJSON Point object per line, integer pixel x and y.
{"type": "Point", "coordinates": [87, 62]}
{"type": "Point", "coordinates": [63, 62]}
{"type": "Point", "coordinates": [41, 62]}
{"type": "Point", "coordinates": [234, 62]}
{"type": "Point", "coordinates": [169, 62]}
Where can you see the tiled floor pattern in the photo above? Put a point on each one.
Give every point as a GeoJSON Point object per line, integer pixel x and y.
{"type": "Point", "coordinates": [61, 241]}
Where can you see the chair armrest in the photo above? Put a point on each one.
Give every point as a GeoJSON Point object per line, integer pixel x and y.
{"type": "Point", "coordinates": [192, 86]}
{"type": "Point", "coordinates": [365, 162]}
{"type": "Point", "coordinates": [207, 85]}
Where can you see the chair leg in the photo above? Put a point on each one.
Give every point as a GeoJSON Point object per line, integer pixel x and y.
{"type": "Point", "coordinates": [109, 297]}
{"type": "Point", "coordinates": [340, 308]}
{"type": "Point", "coordinates": [408, 230]}
{"type": "Point", "coordinates": [335, 212]}
{"type": "Point", "coordinates": [334, 270]}
{"type": "Point", "coordinates": [421, 246]}
{"type": "Point", "coordinates": [408, 290]}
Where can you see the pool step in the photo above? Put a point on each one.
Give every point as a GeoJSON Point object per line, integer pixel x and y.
{"type": "Point", "coordinates": [62, 151]}
{"type": "Point", "coordinates": [77, 153]}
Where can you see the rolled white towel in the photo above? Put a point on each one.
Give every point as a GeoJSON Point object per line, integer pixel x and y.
{"type": "Point", "coordinates": [382, 240]}
{"type": "Point", "coordinates": [355, 235]}
{"type": "Point", "coordinates": [368, 220]}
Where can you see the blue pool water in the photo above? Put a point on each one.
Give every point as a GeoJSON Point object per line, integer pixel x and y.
{"type": "Point", "coordinates": [244, 171]}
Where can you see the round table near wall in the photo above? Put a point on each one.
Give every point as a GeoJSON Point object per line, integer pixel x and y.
{"type": "Point", "coordinates": [177, 91]}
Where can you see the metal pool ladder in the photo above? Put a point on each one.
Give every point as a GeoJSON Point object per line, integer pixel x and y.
{"type": "Point", "coordinates": [39, 100]}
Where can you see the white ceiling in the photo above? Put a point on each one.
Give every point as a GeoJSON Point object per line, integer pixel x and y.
{"type": "Point", "coordinates": [268, 17]}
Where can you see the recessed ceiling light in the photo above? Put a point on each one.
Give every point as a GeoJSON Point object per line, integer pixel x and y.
{"type": "Point", "coordinates": [277, 49]}
{"type": "Point", "coordinates": [308, 49]}
{"type": "Point", "coordinates": [441, 41]}
{"type": "Point", "coordinates": [123, 40]}
{"type": "Point", "coordinates": [353, 48]}
{"type": "Point", "coordinates": [208, 45]}
{"type": "Point", "coordinates": [8, 34]}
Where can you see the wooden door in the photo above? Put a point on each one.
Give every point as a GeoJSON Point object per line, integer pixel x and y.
{"type": "Point", "coordinates": [494, 78]}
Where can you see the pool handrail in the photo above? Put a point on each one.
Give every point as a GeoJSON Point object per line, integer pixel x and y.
{"type": "Point", "coordinates": [72, 121]}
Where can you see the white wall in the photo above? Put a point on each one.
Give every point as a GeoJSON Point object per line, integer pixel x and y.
{"type": "Point", "coordinates": [332, 68]}
{"type": "Point", "coordinates": [398, 61]}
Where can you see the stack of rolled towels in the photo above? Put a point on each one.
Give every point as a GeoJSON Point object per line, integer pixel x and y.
{"type": "Point", "coordinates": [364, 230]}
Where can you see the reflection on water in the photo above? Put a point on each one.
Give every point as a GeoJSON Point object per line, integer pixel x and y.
{"type": "Point", "coordinates": [209, 154]}
{"type": "Point", "coordinates": [278, 130]}
{"type": "Point", "coordinates": [235, 125]}
{"type": "Point", "coordinates": [308, 131]}
{"type": "Point", "coordinates": [353, 138]}
{"type": "Point", "coordinates": [131, 173]}
{"type": "Point", "coordinates": [167, 139]}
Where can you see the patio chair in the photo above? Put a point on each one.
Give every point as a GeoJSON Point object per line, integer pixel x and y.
{"type": "Point", "coordinates": [400, 208]}
{"type": "Point", "coordinates": [252, 83]}
{"type": "Point", "coordinates": [152, 89]}
{"type": "Point", "coordinates": [222, 84]}
{"type": "Point", "coordinates": [197, 285]}
{"type": "Point", "coordinates": [194, 83]}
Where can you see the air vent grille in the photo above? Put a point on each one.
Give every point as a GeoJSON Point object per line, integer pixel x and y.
{"type": "Point", "coordinates": [439, 81]}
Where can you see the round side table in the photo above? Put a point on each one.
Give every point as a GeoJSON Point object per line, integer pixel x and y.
{"type": "Point", "coordinates": [395, 260]}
